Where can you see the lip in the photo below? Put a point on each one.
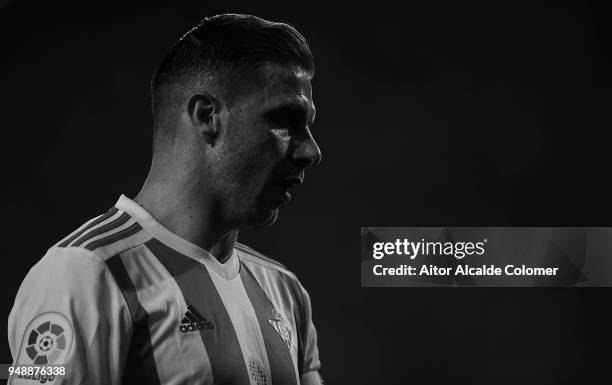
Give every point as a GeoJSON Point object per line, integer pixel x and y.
{"type": "Point", "coordinates": [287, 183]}
{"type": "Point", "coordinates": [286, 196]}
{"type": "Point", "coordinates": [291, 182]}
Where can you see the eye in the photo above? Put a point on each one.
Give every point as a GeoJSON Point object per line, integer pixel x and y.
{"type": "Point", "coordinates": [282, 133]}
{"type": "Point", "coordinates": [285, 126]}
{"type": "Point", "coordinates": [287, 120]}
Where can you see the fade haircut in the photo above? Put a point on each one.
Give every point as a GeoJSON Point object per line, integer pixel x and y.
{"type": "Point", "coordinates": [219, 53]}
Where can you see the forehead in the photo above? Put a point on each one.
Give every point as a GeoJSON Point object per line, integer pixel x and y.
{"type": "Point", "coordinates": [281, 85]}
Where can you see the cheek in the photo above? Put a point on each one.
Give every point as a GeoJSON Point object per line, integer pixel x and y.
{"type": "Point", "coordinates": [254, 157]}
{"type": "Point", "coordinates": [253, 164]}
{"type": "Point", "coordinates": [269, 150]}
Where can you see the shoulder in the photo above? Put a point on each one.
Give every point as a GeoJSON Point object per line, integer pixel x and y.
{"type": "Point", "coordinates": [65, 276]}
{"type": "Point", "coordinates": [82, 258]}
{"type": "Point", "coordinates": [104, 236]}
{"type": "Point", "coordinates": [80, 268]}
{"type": "Point", "coordinates": [60, 263]}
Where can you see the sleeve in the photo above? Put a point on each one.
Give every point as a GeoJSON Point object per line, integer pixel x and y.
{"type": "Point", "coordinates": [308, 341]}
{"type": "Point", "coordinates": [69, 311]}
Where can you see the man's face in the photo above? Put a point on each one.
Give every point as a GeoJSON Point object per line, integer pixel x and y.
{"type": "Point", "coordinates": [267, 145]}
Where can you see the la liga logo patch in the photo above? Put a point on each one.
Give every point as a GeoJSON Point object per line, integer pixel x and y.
{"type": "Point", "coordinates": [47, 339]}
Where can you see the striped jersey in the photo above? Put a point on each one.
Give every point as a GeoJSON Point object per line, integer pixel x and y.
{"type": "Point", "coordinates": [122, 300]}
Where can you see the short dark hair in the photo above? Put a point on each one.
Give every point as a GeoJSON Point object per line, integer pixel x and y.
{"type": "Point", "coordinates": [221, 49]}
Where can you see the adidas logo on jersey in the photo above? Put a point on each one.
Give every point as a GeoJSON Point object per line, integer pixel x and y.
{"type": "Point", "coordinates": [194, 321]}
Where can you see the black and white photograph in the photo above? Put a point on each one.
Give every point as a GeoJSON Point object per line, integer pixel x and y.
{"type": "Point", "coordinates": [184, 183]}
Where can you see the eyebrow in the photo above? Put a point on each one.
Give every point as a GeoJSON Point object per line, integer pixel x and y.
{"type": "Point", "coordinates": [291, 109]}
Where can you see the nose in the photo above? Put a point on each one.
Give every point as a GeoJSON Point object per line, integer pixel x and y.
{"type": "Point", "coordinates": [307, 152]}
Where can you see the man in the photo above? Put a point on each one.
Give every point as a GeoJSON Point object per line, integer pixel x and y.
{"type": "Point", "coordinates": [158, 290]}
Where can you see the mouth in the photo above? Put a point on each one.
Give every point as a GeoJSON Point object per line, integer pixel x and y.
{"type": "Point", "coordinates": [289, 183]}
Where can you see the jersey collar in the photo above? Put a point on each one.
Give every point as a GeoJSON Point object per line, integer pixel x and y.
{"type": "Point", "coordinates": [227, 270]}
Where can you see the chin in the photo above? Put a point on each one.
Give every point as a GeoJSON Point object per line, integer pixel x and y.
{"type": "Point", "coordinates": [266, 220]}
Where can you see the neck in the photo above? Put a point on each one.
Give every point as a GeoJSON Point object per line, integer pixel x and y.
{"type": "Point", "coordinates": [184, 210]}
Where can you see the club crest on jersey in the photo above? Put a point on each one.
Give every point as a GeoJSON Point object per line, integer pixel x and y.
{"type": "Point", "coordinates": [194, 321]}
{"type": "Point", "coordinates": [279, 324]}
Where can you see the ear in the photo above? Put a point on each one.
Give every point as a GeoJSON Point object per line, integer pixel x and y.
{"type": "Point", "coordinates": [203, 110]}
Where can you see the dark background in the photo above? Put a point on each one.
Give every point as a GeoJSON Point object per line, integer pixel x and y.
{"type": "Point", "coordinates": [449, 114]}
